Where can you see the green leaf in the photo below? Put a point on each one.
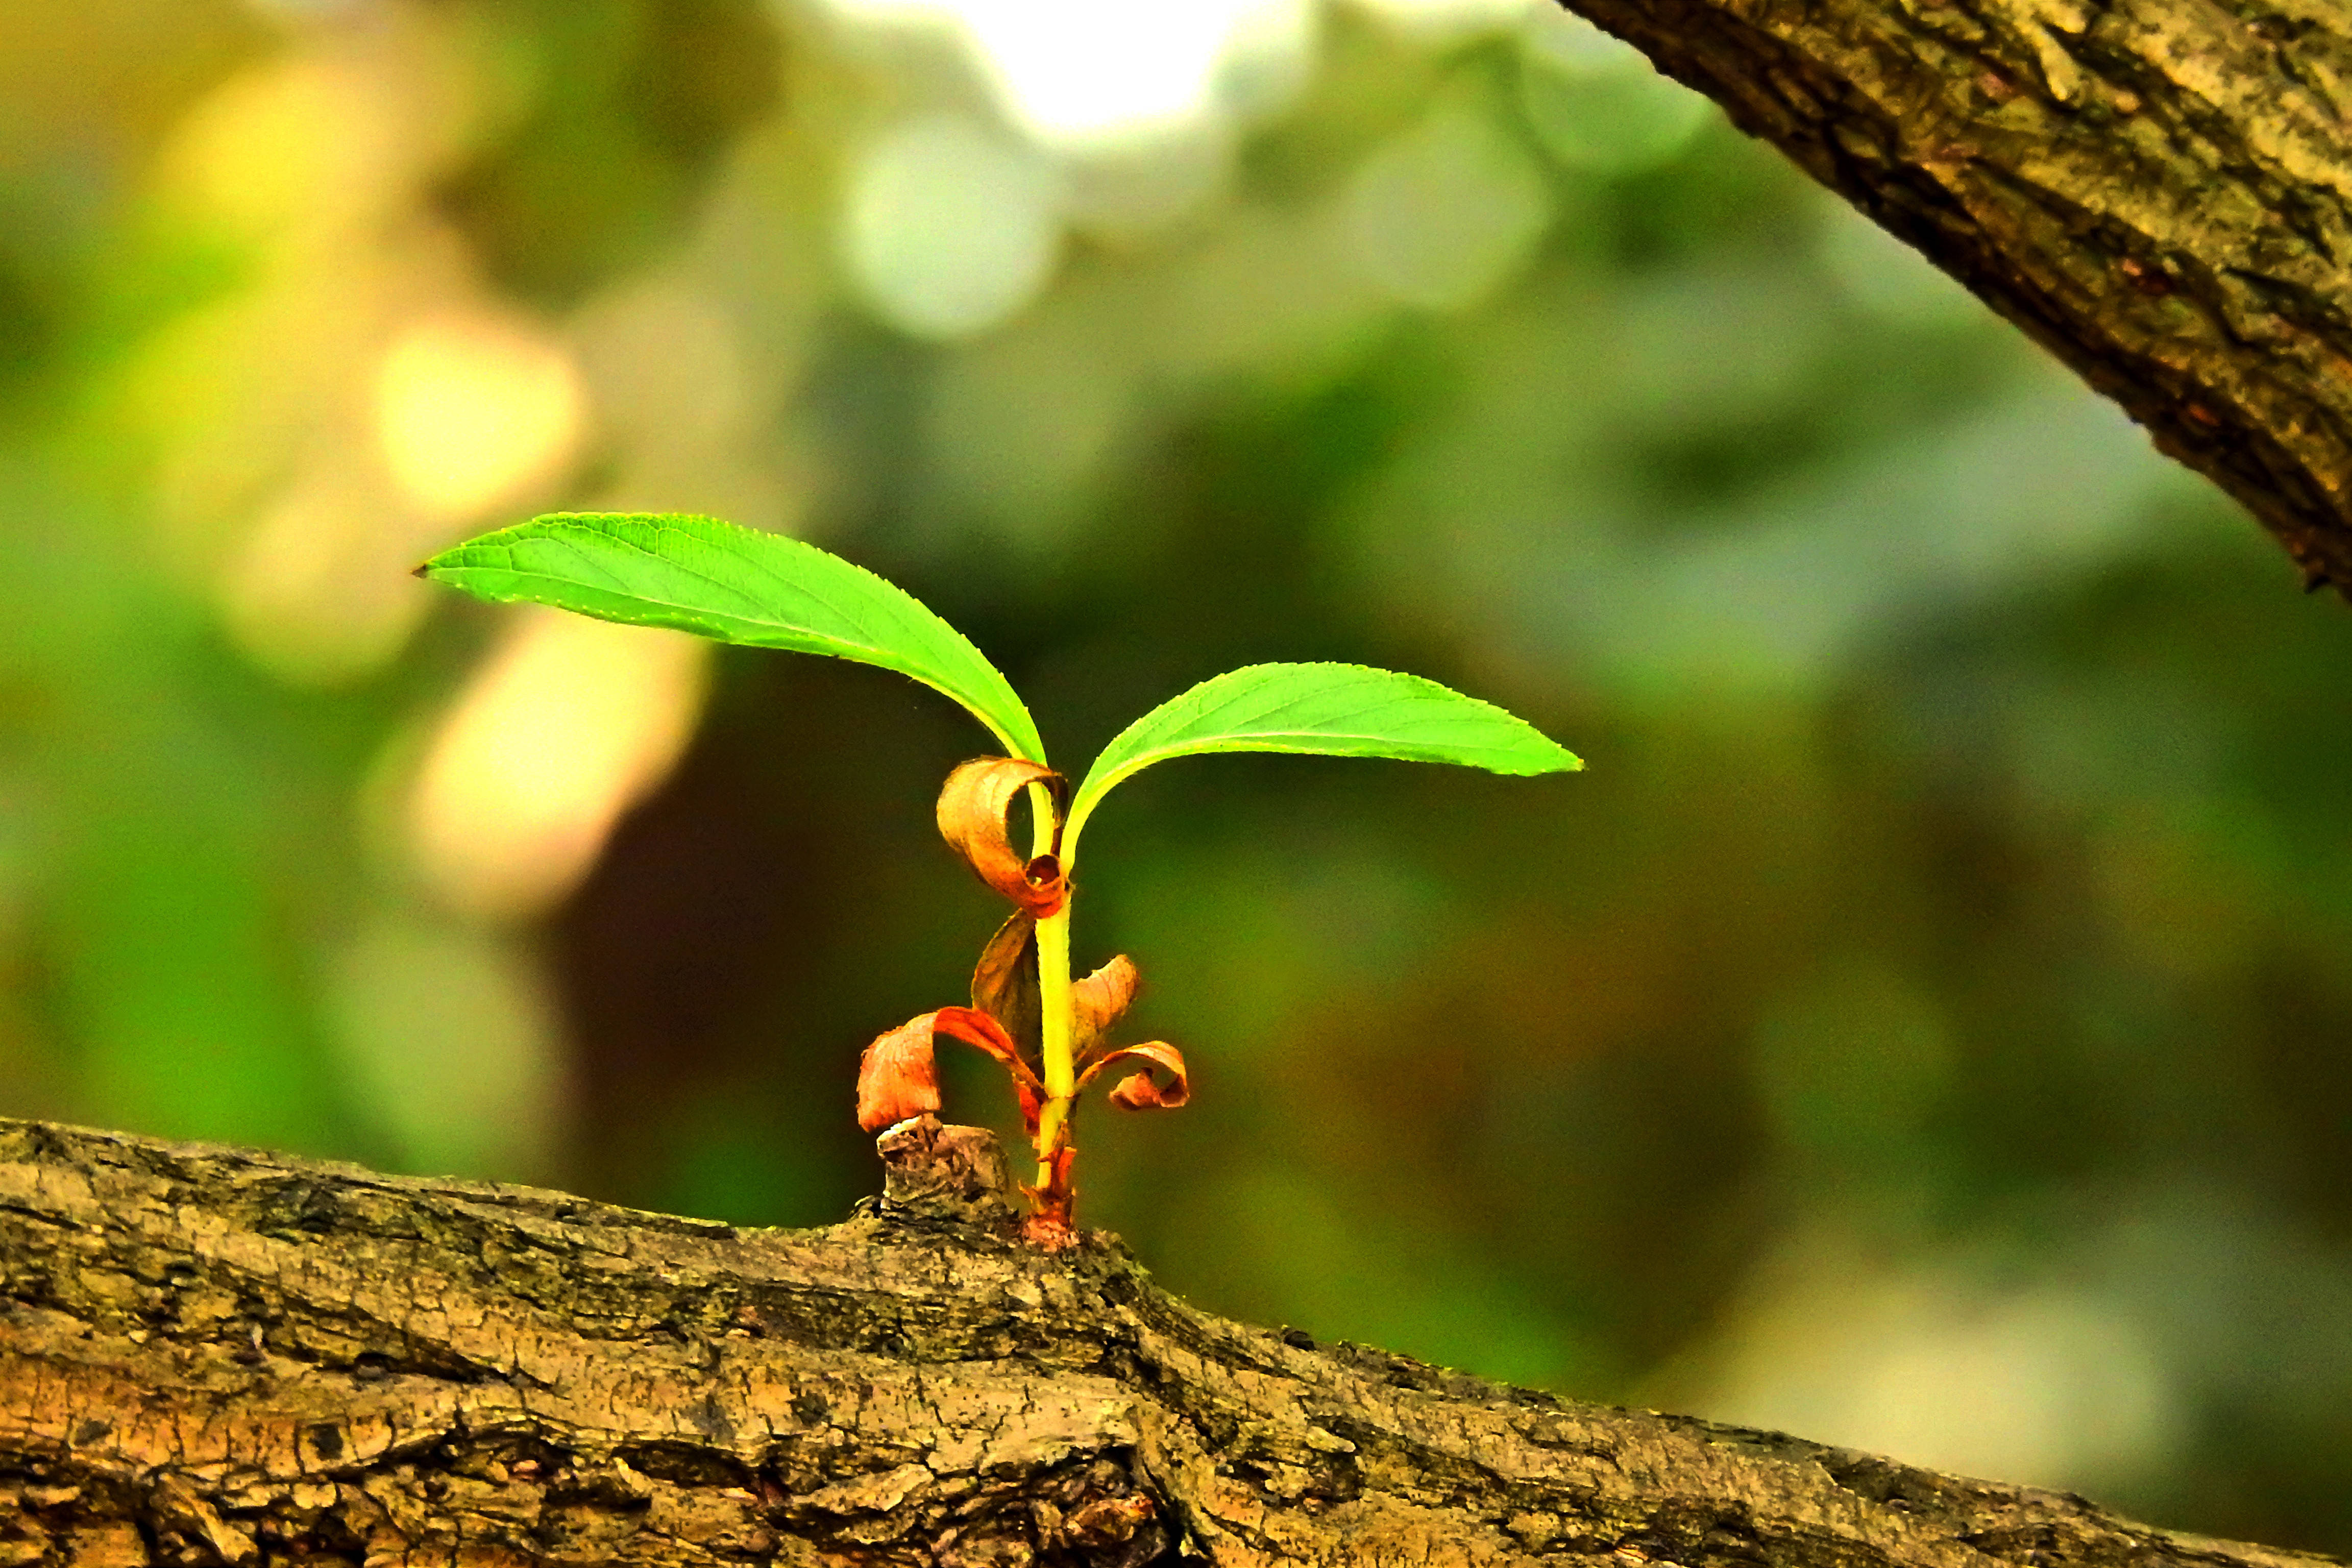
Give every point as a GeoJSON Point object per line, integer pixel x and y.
{"type": "Point", "coordinates": [736, 585]}
{"type": "Point", "coordinates": [1328, 709]}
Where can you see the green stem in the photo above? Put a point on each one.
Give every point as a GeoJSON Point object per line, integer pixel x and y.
{"type": "Point", "coordinates": [1054, 992]}
{"type": "Point", "coordinates": [1053, 998]}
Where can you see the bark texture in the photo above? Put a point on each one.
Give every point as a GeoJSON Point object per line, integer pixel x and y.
{"type": "Point", "coordinates": [216, 1356]}
{"type": "Point", "coordinates": [2155, 190]}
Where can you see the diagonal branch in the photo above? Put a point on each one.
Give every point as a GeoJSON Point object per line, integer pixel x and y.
{"type": "Point", "coordinates": [212, 1356]}
{"type": "Point", "coordinates": [2159, 191]}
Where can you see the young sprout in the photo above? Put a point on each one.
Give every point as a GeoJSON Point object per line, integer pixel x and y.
{"type": "Point", "coordinates": [1050, 1032]}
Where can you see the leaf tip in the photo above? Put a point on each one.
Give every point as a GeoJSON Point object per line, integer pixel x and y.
{"type": "Point", "coordinates": [432, 566]}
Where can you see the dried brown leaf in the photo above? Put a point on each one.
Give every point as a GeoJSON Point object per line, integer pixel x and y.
{"type": "Point", "coordinates": [973, 807]}
{"type": "Point", "coordinates": [1005, 983]}
{"type": "Point", "coordinates": [975, 1028]}
{"type": "Point", "coordinates": [898, 1079]}
{"type": "Point", "coordinates": [1100, 1000]}
{"type": "Point", "coordinates": [1140, 1092]}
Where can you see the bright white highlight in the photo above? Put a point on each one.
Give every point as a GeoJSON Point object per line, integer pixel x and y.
{"type": "Point", "coordinates": [1080, 74]}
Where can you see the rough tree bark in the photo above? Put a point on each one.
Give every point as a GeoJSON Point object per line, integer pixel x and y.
{"type": "Point", "coordinates": [216, 1356]}
{"type": "Point", "coordinates": [2155, 190]}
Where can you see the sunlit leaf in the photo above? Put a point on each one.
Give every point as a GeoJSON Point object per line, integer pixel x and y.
{"type": "Point", "coordinates": [975, 806]}
{"type": "Point", "coordinates": [1328, 709]}
{"type": "Point", "coordinates": [736, 585]}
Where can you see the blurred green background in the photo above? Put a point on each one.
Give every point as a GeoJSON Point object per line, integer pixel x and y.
{"type": "Point", "coordinates": [1922, 1027]}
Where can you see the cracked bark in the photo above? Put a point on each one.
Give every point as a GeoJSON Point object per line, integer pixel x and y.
{"type": "Point", "coordinates": [2155, 190]}
{"type": "Point", "coordinates": [216, 1356]}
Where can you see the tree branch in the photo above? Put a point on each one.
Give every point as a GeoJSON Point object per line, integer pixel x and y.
{"type": "Point", "coordinates": [212, 1356]}
{"type": "Point", "coordinates": [2155, 190]}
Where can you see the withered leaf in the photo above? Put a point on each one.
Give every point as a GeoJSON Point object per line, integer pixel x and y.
{"type": "Point", "coordinates": [897, 1078]}
{"type": "Point", "coordinates": [1140, 1092]}
{"type": "Point", "coordinates": [975, 1028]}
{"type": "Point", "coordinates": [973, 811]}
{"type": "Point", "coordinates": [1100, 1000]}
{"type": "Point", "coordinates": [1005, 983]}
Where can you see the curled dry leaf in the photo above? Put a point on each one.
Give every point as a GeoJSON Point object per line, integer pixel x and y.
{"type": "Point", "coordinates": [898, 1079]}
{"type": "Point", "coordinates": [975, 1027]}
{"type": "Point", "coordinates": [1100, 1000]}
{"type": "Point", "coordinates": [1139, 1090]}
{"type": "Point", "coordinates": [972, 812]}
{"type": "Point", "coordinates": [1005, 983]}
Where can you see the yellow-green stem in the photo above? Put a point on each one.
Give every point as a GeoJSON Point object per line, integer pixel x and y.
{"type": "Point", "coordinates": [1054, 994]}
{"type": "Point", "coordinates": [1053, 999]}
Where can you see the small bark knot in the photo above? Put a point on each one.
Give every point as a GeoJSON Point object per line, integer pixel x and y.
{"type": "Point", "coordinates": [1108, 1523]}
{"type": "Point", "coordinates": [943, 1172]}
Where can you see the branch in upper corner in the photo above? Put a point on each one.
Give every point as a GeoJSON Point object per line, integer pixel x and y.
{"type": "Point", "coordinates": [2151, 189]}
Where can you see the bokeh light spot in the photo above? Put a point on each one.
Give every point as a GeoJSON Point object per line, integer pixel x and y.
{"type": "Point", "coordinates": [294, 149]}
{"type": "Point", "coordinates": [2052, 1385]}
{"type": "Point", "coordinates": [1446, 211]}
{"type": "Point", "coordinates": [319, 592]}
{"type": "Point", "coordinates": [951, 228]}
{"type": "Point", "coordinates": [565, 727]}
{"type": "Point", "coordinates": [1081, 75]}
{"type": "Point", "coordinates": [475, 411]}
